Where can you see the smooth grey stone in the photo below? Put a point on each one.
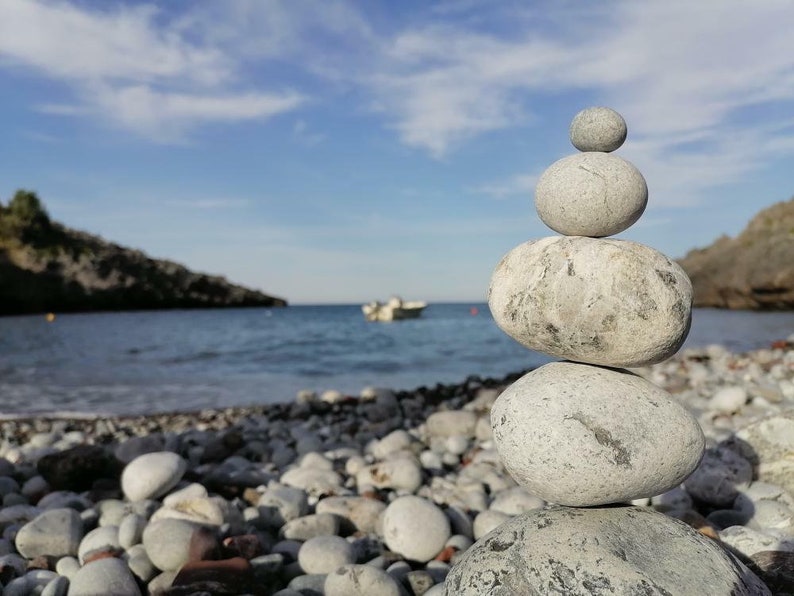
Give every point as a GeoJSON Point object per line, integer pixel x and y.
{"type": "Point", "coordinates": [360, 580]}
{"type": "Point", "coordinates": [361, 512]}
{"type": "Point", "coordinates": [56, 533]}
{"type": "Point", "coordinates": [103, 577]}
{"type": "Point", "coordinates": [616, 550]}
{"type": "Point", "coordinates": [309, 526]}
{"type": "Point", "coordinates": [8, 485]}
{"type": "Point", "coordinates": [451, 423]}
{"type": "Point", "coordinates": [280, 504]}
{"type": "Point", "coordinates": [103, 538]}
{"type": "Point", "coordinates": [591, 194]}
{"type": "Point", "coordinates": [19, 564]}
{"type": "Point", "coordinates": [17, 587]}
{"type": "Point", "coordinates": [719, 478]}
{"type": "Point", "coordinates": [582, 435]}
{"type": "Point", "coordinates": [488, 520]}
{"type": "Point", "coordinates": [152, 475]}
{"type": "Point", "coordinates": [131, 530]}
{"type": "Point", "coordinates": [58, 586]}
{"type": "Point", "coordinates": [598, 129]}
{"type": "Point", "coordinates": [139, 563]}
{"type": "Point", "coordinates": [599, 301]}
{"type": "Point", "coordinates": [513, 501]}
{"type": "Point", "coordinates": [770, 442]}
{"type": "Point", "coordinates": [401, 472]}
{"type": "Point", "coordinates": [67, 566]}
{"type": "Point", "coordinates": [308, 585]}
{"type": "Point", "coordinates": [137, 446]}
{"type": "Point", "coordinates": [161, 582]}
{"type": "Point", "coordinates": [420, 581]}
{"type": "Point", "coordinates": [167, 542]}
{"type": "Point", "coordinates": [323, 554]}
{"type": "Point", "coordinates": [415, 528]}
{"type": "Point", "coordinates": [749, 542]}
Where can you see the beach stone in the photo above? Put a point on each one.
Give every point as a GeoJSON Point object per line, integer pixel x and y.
{"type": "Point", "coordinates": [581, 435]}
{"type": "Point", "coordinates": [131, 530]}
{"type": "Point", "coordinates": [401, 472]}
{"type": "Point", "coordinates": [361, 512]}
{"type": "Point", "coordinates": [719, 477]}
{"type": "Point", "coordinates": [208, 511]}
{"type": "Point", "coordinates": [513, 501]}
{"type": "Point", "coordinates": [360, 580]}
{"type": "Point", "coordinates": [599, 301]}
{"type": "Point", "coordinates": [137, 446]}
{"type": "Point", "coordinates": [102, 539]}
{"type": "Point", "coordinates": [598, 129]}
{"type": "Point", "coordinates": [78, 468]}
{"type": "Point", "coordinates": [67, 566]}
{"type": "Point", "coordinates": [309, 526]}
{"type": "Point", "coordinates": [415, 528]}
{"type": "Point", "coordinates": [616, 550]}
{"type": "Point", "coordinates": [169, 543]}
{"type": "Point", "coordinates": [591, 194]}
{"type": "Point", "coordinates": [769, 443]}
{"type": "Point", "coordinates": [280, 504]}
{"type": "Point", "coordinates": [139, 563]}
{"type": "Point", "coordinates": [451, 423]}
{"type": "Point", "coordinates": [776, 569]}
{"type": "Point", "coordinates": [748, 541]}
{"type": "Point", "coordinates": [152, 475]}
{"type": "Point", "coordinates": [229, 576]}
{"type": "Point", "coordinates": [103, 577]}
{"type": "Point", "coordinates": [729, 399]}
{"type": "Point", "coordinates": [55, 533]}
{"type": "Point", "coordinates": [486, 521]}
{"type": "Point", "coordinates": [57, 586]}
{"type": "Point", "coordinates": [324, 554]}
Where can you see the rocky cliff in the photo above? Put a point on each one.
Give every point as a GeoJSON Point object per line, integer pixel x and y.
{"type": "Point", "coordinates": [755, 270]}
{"type": "Point", "coordinates": [47, 267]}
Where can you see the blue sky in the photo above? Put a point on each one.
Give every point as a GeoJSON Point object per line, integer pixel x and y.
{"type": "Point", "coordinates": [330, 151]}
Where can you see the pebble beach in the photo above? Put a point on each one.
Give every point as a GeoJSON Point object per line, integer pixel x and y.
{"type": "Point", "coordinates": [377, 493]}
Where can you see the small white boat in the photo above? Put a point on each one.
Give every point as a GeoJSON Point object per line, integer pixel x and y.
{"type": "Point", "coordinates": [393, 310]}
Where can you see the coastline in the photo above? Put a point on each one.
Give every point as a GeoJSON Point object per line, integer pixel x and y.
{"type": "Point", "coordinates": [265, 480]}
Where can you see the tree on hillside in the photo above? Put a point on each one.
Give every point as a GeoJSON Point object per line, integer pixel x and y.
{"type": "Point", "coordinates": [26, 207]}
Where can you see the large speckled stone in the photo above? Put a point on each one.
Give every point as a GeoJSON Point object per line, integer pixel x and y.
{"type": "Point", "coordinates": [769, 444]}
{"type": "Point", "coordinates": [598, 129]}
{"type": "Point", "coordinates": [599, 301]}
{"type": "Point", "coordinates": [581, 435]}
{"type": "Point", "coordinates": [618, 550]}
{"type": "Point", "coordinates": [591, 194]}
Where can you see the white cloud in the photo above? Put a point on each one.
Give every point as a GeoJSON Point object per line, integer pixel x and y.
{"type": "Point", "coordinates": [126, 65]}
{"type": "Point", "coordinates": [685, 76]}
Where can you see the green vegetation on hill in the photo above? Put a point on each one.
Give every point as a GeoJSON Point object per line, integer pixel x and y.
{"type": "Point", "coordinates": [47, 267]}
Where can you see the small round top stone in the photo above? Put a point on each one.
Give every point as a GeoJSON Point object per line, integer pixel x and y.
{"type": "Point", "coordinates": [598, 129]}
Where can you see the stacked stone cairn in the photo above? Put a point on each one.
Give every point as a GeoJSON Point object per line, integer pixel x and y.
{"type": "Point", "coordinates": [586, 434]}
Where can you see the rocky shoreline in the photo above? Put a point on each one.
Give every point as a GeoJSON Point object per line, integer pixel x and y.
{"type": "Point", "coordinates": [380, 493]}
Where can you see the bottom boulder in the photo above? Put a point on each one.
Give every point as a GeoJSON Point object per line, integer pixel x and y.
{"type": "Point", "coordinates": [618, 550]}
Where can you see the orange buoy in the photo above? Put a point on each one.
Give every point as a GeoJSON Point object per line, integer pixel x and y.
{"type": "Point", "coordinates": [474, 310]}
{"type": "Point", "coordinates": [50, 317]}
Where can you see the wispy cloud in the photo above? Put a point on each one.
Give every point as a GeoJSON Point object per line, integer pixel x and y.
{"type": "Point", "coordinates": [448, 84]}
{"type": "Point", "coordinates": [126, 65]}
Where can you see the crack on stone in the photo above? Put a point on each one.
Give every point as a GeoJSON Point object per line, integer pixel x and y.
{"type": "Point", "coordinates": [621, 455]}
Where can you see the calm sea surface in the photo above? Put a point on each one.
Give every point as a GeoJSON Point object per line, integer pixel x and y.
{"type": "Point", "coordinates": [142, 362]}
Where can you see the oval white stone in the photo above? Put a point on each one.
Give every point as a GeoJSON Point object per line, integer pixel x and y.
{"type": "Point", "coordinates": [415, 528]}
{"type": "Point", "coordinates": [152, 475]}
{"type": "Point", "coordinates": [605, 301]}
{"type": "Point", "coordinates": [582, 435]}
{"type": "Point", "coordinates": [598, 129]}
{"type": "Point", "coordinates": [591, 194]}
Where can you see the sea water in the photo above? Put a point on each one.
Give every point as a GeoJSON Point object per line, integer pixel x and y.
{"type": "Point", "coordinates": [143, 362]}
